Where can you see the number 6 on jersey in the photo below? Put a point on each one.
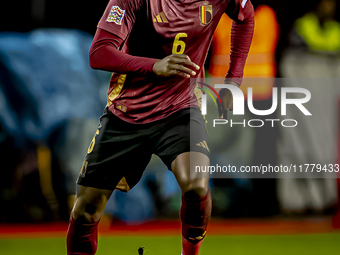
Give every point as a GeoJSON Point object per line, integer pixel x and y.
{"type": "Point", "coordinates": [179, 46]}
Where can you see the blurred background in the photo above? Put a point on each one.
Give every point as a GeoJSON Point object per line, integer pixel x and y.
{"type": "Point", "coordinates": [51, 100]}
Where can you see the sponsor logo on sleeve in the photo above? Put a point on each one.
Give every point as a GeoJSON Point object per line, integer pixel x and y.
{"type": "Point", "coordinates": [116, 15]}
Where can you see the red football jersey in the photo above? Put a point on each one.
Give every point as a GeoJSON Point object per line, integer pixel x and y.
{"type": "Point", "coordinates": [156, 29]}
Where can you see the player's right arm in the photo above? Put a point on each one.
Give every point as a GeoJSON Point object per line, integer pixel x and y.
{"type": "Point", "coordinates": [113, 29]}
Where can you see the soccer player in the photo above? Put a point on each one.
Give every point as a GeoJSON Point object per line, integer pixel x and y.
{"type": "Point", "coordinates": [153, 48]}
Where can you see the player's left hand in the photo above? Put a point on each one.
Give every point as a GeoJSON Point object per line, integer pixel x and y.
{"type": "Point", "coordinates": [227, 102]}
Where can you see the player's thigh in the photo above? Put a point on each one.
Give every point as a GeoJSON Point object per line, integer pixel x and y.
{"type": "Point", "coordinates": [184, 133]}
{"type": "Point", "coordinates": [183, 146]}
{"type": "Point", "coordinates": [184, 168]}
{"type": "Point", "coordinates": [117, 155]}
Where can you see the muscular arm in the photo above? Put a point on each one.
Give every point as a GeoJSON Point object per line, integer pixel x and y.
{"type": "Point", "coordinates": [241, 37]}
{"type": "Point", "coordinates": [105, 55]}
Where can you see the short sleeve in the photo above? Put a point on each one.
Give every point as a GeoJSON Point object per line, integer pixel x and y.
{"type": "Point", "coordinates": [237, 9]}
{"type": "Point", "coordinates": [119, 17]}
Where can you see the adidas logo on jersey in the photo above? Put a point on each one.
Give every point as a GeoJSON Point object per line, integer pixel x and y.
{"type": "Point", "coordinates": [204, 145]}
{"type": "Point", "coordinates": [161, 18]}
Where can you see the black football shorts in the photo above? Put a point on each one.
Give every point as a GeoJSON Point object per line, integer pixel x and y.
{"type": "Point", "coordinates": [120, 151]}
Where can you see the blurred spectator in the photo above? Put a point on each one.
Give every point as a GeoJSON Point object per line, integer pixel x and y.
{"type": "Point", "coordinates": [313, 53]}
{"type": "Point", "coordinates": [257, 146]}
{"type": "Point", "coordinates": [45, 127]}
{"type": "Point", "coordinates": [319, 31]}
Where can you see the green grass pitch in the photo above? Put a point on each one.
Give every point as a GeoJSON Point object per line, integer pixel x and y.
{"type": "Point", "coordinates": [315, 244]}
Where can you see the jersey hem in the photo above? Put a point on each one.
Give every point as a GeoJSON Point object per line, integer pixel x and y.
{"type": "Point", "coordinates": [145, 121]}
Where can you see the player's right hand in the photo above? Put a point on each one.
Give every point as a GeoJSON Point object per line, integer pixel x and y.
{"type": "Point", "coordinates": [175, 65]}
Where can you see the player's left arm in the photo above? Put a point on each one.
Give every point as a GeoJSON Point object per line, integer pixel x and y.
{"type": "Point", "coordinates": [242, 13]}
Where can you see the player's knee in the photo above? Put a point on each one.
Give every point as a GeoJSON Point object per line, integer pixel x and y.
{"type": "Point", "coordinates": [193, 187]}
{"type": "Point", "coordinates": [86, 212]}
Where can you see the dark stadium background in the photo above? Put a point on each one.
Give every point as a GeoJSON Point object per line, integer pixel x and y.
{"type": "Point", "coordinates": [23, 16]}
{"type": "Point", "coordinates": [263, 225]}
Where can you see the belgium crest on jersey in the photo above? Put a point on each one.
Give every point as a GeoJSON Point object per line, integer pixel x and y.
{"type": "Point", "coordinates": [206, 14]}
